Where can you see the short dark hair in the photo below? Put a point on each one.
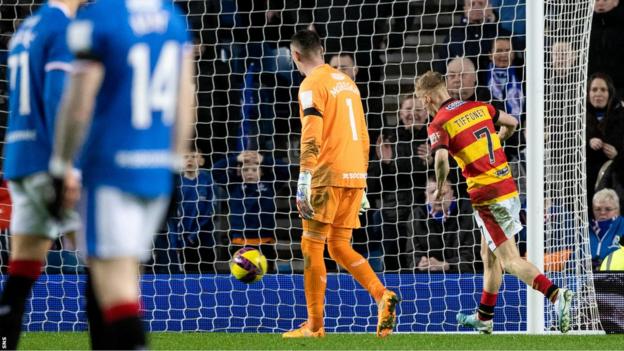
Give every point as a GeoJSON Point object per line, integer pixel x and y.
{"type": "Point", "coordinates": [342, 54]}
{"type": "Point", "coordinates": [307, 41]}
{"type": "Point", "coordinates": [194, 148]}
{"type": "Point", "coordinates": [509, 39]}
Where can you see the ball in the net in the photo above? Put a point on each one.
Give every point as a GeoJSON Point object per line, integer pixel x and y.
{"type": "Point", "coordinates": [248, 265]}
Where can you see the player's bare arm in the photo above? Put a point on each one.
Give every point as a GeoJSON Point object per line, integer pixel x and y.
{"type": "Point", "coordinates": [75, 113]}
{"type": "Point", "coordinates": [508, 125]}
{"type": "Point", "coordinates": [74, 117]}
{"type": "Point", "coordinates": [441, 165]}
{"type": "Point", "coordinates": [185, 122]}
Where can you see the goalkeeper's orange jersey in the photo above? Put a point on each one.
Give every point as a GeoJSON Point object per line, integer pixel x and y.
{"type": "Point", "coordinates": [334, 137]}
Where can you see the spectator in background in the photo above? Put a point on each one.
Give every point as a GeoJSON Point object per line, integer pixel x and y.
{"type": "Point", "coordinates": [606, 43]}
{"type": "Point", "coordinates": [512, 19]}
{"type": "Point", "coordinates": [605, 131]}
{"type": "Point", "coordinates": [504, 78]}
{"type": "Point", "coordinates": [607, 227]}
{"type": "Point", "coordinates": [614, 262]}
{"type": "Point", "coordinates": [471, 39]}
{"type": "Point", "coordinates": [563, 58]}
{"type": "Point", "coordinates": [228, 175]}
{"type": "Point", "coordinates": [561, 74]}
{"type": "Point", "coordinates": [226, 171]}
{"type": "Point", "coordinates": [563, 85]}
{"type": "Point", "coordinates": [188, 244]}
{"type": "Point", "coordinates": [461, 81]}
{"type": "Point", "coordinates": [373, 105]}
{"type": "Point", "coordinates": [401, 166]}
{"type": "Point", "coordinates": [345, 63]}
{"type": "Point", "coordinates": [445, 236]}
{"type": "Point", "coordinates": [505, 81]}
{"type": "Point", "coordinates": [252, 212]}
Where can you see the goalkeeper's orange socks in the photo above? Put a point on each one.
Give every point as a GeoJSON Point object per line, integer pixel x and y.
{"type": "Point", "coordinates": [486, 307]}
{"type": "Point", "coordinates": [315, 273]}
{"type": "Point", "coordinates": [341, 251]}
{"type": "Point", "coordinates": [22, 276]}
{"type": "Point", "coordinates": [546, 287]}
{"type": "Point", "coordinates": [314, 280]}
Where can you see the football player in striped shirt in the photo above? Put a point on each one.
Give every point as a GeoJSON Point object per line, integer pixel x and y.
{"type": "Point", "coordinates": [466, 131]}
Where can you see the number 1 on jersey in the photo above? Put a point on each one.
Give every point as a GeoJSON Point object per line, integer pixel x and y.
{"type": "Point", "coordinates": [354, 133]}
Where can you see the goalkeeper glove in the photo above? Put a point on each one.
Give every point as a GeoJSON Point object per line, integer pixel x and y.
{"type": "Point", "coordinates": [364, 204]}
{"type": "Point", "coordinates": [303, 195]}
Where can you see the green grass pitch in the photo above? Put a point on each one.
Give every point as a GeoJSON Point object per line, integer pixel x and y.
{"type": "Point", "coordinates": [250, 341]}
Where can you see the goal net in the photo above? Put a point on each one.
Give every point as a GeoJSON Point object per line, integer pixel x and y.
{"type": "Point", "coordinates": [566, 35]}
{"type": "Point", "coordinates": [238, 189]}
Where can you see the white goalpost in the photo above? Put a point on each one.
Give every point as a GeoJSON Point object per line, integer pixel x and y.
{"type": "Point", "coordinates": [248, 114]}
{"type": "Point", "coordinates": [535, 155]}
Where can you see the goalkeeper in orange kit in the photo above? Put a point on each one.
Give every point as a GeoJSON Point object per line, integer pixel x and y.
{"type": "Point", "coordinates": [332, 182]}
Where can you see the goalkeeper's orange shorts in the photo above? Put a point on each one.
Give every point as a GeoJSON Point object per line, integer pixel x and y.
{"type": "Point", "coordinates": [339, 207]}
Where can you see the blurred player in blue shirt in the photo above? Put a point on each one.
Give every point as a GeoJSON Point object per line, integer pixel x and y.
{"type": "Point", "coordinates": [131, 92]}
{"type": "Point", "coordinates": [38, 61]}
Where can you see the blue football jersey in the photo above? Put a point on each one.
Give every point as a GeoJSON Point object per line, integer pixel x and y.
{"type": "Point", "coordinates": [37, 63]}
{"type": "Point", "coordinates": [141, 44]}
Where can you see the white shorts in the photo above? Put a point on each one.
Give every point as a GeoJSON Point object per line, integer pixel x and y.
{"type": "Point", "coordinates": [499, 221]}
{"type": "Point", "coordinates": [119, 224]}
{"type": "Point", "coordinates": [30, 215]}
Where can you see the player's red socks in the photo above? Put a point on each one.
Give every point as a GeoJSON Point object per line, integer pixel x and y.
{"type": "Point", "coordinates": [546, 287]}
{"type": "Point", "coordinates": [486, 307]}
{"type": "Point", "coordinates": [125, 326]}
{"type": "Point", "coordinates": [121, 311]}
{"type": "Point", "coordinates": [22, 276]}
{"type": "Point", "coordinates": [25, 268]}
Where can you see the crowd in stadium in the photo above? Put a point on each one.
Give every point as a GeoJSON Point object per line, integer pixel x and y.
{"type": "Point", "coordinates": [236, 188]}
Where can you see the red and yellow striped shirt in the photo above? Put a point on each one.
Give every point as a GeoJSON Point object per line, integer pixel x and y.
{"type": "Point", "coordinates": [466, 129]}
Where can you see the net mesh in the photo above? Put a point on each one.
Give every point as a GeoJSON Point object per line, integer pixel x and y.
{"type": "Point", "coordinates": [567, 27]}
{"type": "Point", "coordinates": [248, 115]}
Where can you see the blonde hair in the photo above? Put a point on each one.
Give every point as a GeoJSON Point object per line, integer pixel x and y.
{"type": "Point", "coordinates": [428, 82]}
{"type": "Point", "coordinates": [607, 194]}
